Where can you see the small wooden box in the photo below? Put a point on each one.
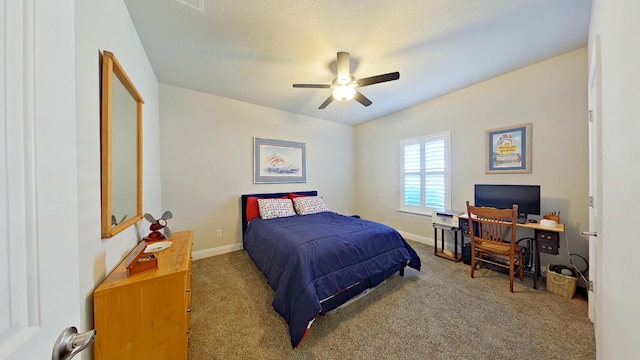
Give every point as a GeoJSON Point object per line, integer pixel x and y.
{"type": "Point", "coordinates": [137, 261]}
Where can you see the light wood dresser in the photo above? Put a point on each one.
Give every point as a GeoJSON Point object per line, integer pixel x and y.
{"type": "Point", "coordinates": [146, 315]}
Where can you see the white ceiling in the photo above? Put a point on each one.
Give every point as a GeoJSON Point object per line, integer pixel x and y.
{"type": "Point", "coordinates": [254, 50]}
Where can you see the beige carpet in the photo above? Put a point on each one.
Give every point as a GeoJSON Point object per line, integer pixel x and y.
{"type": "Point", "coordinates": [437, 313]}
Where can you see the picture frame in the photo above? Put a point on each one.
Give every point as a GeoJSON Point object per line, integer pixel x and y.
{"type": "Point", "coordinates": [279, 161]}
{"type": "Point", "coordinates": [508, 149]}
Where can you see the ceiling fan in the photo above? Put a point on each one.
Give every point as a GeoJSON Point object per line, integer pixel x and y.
{"type": "Point", "coordinates": [344, 85]}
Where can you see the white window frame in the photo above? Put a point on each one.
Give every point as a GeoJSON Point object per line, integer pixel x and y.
{"type": "Point", "coordinates": [422, 209]}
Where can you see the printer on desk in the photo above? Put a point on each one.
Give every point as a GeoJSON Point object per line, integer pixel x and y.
{"type": "Point", "coordinates": [446, 219]}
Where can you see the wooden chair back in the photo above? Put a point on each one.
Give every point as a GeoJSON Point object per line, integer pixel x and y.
{"type": "Point", "coordinates": [491, 225]}
{"type": "Point", "coordinates": [493, 239]}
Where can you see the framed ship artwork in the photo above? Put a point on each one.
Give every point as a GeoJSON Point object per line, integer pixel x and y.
{"type": "Point", "coordinates": [278, 161]}
{"type": "Point", "coordinates": [508, 149]}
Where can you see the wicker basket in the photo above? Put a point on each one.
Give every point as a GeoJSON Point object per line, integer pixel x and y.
{"type": "Point", "coordinates": [560, 284]}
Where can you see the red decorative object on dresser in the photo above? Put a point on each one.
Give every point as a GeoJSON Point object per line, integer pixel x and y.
{"type": "Point", "coordinates": [157, 225]}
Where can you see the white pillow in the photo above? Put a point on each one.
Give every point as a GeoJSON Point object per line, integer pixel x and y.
{"type": "Point", "coordinates": [306, 205]}
{"type": "Point", "coordinates": [275, 208]}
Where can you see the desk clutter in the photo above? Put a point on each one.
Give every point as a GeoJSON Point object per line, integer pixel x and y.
{"type": "Point", "coordinates": [491, 223]}
{"type": "Point", "coordinates": [551, 219]}
{"type": "Point", "coordinates": [548, 223]}
{"type": "Point", "coordinates": [553, 215]}
{"type": "Point", "coordinates": [546, 239]}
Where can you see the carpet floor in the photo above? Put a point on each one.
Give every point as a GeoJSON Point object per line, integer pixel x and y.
{"type": "Point", "coordinates": [439, 312]}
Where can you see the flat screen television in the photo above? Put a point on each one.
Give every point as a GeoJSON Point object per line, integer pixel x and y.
{"type": "Point", "coordinates": [504, 196]}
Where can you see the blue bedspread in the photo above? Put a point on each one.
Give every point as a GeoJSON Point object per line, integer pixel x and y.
{"type": "Point", "coordinates": [309, 258]}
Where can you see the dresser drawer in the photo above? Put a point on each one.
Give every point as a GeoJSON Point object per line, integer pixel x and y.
{"type": "Point", "coordinates": [463, 225]}
{"type": "Point", "coordinates": [548, 242]}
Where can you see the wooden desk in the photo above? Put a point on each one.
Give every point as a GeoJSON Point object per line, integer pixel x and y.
{"type": "Point", "coordinates": [546, 240]}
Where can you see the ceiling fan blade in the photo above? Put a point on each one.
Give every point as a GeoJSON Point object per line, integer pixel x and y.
{"type": "Point", "coordinates": [312, 86]}
{"type": "Point", "coordinates": [326, 102]}
{"type": "Point", "coordinates": [343, 64]}
{"type": "Point", "coordinates": [362, 99]}
{"type": "Point", "coordinates": [378, 79]}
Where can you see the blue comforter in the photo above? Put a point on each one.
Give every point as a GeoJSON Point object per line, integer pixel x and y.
{"type": "Point", "coordinates": [309, 258]}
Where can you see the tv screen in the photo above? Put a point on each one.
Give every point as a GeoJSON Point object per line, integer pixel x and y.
{"type": "Point", "coordinates": [504, 196]}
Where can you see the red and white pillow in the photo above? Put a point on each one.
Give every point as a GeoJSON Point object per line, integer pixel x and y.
{"type": "Point", "coordinates": [275, 208]}
{"type": "Point", "coordinates": [253, 211]}
{"type": "Point", "coordinates": [306, 205]}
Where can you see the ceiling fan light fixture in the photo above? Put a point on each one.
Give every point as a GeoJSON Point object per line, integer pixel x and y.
{"type": "Point", "coordinates": [343, 81]}
{"type": "Point", "coordinates": [344, 93]}
{"type": "Point", "coordinates": [344, 85]}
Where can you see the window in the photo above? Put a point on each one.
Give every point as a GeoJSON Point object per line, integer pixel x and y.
{"type": "Point", "coordinates": [425, 173]}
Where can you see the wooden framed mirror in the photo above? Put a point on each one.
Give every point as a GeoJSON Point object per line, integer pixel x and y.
{"type": "Point", "coordinates": [121, 148]}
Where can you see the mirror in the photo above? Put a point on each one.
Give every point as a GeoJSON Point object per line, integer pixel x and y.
{"type": "Point", "coordinates": [121, 147]}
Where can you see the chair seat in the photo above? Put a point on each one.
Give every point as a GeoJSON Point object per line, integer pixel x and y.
{"type": "Point", "coordinates": [497, 247]}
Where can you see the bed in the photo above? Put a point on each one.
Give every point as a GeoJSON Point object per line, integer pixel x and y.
{"type": "Point", "coordinates": [317, 262]}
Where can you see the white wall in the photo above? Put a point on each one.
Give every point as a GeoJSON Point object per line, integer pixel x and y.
{"type": "Point", "coordinates": [106, 25]}
{"type": "Point", "coordinates": [551, 94]}
{"type": "Point", "coordinates": [618, 314]}
{"type": "Point", "coordinates": [207, 161]}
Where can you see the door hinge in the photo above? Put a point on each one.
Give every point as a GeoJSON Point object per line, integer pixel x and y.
{"type": "Point", "coordinates": [590, 285]}
{"type": "Point", "coordinates": [590, 201]}
{"type": "Point", "coordinates": [590, 115]}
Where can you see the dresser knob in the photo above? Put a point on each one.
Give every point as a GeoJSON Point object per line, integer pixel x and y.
{"type": "Point", "coordinates": [188, 290]}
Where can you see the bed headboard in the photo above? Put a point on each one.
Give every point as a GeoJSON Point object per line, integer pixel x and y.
{"type": "Point", "coordinates": [243, 202]}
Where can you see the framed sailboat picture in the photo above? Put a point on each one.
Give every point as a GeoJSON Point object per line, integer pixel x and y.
{"type": "Point", "coordinates": [278, 161]}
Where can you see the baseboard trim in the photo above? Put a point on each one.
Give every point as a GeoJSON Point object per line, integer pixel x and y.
{"type": "Point", "coordinates": [201, 254]}
{"type": "Point", "coordinates": [417, 238]}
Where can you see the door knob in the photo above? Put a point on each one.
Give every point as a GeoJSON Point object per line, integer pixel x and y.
{"type": "Point", "coordinates": [70, 342]}
{"type": "Point", "coordinates": [589, 233]}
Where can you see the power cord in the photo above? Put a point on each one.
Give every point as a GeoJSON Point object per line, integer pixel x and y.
{"type": "Point", "coordinates": [528, 260]}
{"type": "Point", "coordinates": [569, 254]}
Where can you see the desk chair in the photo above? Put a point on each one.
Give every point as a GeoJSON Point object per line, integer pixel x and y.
{"type": "Point", "coordinates": [493, 239]}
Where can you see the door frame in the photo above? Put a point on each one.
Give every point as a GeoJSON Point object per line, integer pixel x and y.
{"type": "Point", "coordinates": [595, 179]}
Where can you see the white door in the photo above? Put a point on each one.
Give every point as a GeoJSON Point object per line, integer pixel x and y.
{"type": "Point", "coordinates": [595, 166]}
{"type": "Point", "coordinates": [39, 278]}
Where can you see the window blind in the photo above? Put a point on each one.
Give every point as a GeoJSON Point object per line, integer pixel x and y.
{"type": "Point", "coordinates": [425, 173]}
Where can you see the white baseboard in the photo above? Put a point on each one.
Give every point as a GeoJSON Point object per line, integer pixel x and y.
{"type": "Point", "coordinates": [417, 238]}
{"type": "Point", "coordinates": [201, 254]}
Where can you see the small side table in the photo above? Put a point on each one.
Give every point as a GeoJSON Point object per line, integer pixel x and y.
{"type": "Point", "coordinates": [443, 253]}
